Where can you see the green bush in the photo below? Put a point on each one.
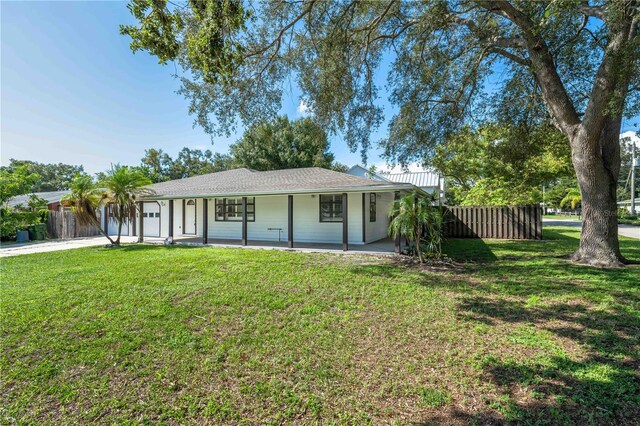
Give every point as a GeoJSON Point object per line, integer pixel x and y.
{"type": "Point", "coordinates": [12, 220]}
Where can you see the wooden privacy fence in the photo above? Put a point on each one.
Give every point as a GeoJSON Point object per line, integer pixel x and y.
{"type": "Point", "coordinates": [502, 222]}
{"type": "Point", "coordinates": [63, 224]}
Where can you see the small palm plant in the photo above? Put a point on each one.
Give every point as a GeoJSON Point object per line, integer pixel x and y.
{"type": "Point", "coordinates": [418, 221]}
{"type": "Point", "coordinates": [572, 198]}
{"type": "Point", "coordinates": [123, 187]}
{"type": "Point", "coordinates": [85, 200]}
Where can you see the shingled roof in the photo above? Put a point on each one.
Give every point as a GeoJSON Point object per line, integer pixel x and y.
{"type": "Point", "coordinates": [247, 182]}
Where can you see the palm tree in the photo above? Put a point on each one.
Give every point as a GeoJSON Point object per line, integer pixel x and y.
{"type": "Point", "coordinates": [413, 217]}
{"type": "Point", "coordinates": [85, 200]}
{"type": "Point", "coordinates": [123, 187]}
{"type": "Point", "coordinates": [573, 198]}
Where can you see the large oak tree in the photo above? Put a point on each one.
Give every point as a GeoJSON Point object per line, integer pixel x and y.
{"type": "Point", "coordinates": [574, 60]}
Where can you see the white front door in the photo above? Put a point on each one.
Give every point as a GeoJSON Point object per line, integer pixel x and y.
{"type": "Point", "coordinates": [151, 219]}
{"type": "Point", "coordinates": [190, 217]}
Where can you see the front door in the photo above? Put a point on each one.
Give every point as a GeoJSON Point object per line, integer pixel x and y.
{"type": "Point", "coordinates": [190, 217]}
{"type": "Point", "coordinates": [151, 219]}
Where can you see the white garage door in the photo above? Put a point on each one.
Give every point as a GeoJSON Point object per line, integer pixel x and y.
{"type": "Point", "coordinates": [151, 218]}
{"type": "Point", "coordinates": [113, 227]}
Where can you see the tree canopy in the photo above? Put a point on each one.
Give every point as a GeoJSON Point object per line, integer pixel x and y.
{"type": "Point", "coordinates": [574, 62]}
{"type": "Point", "coordinates": [283, 144]}
{"type": "Point", "coordinates": [51, 177]}
{"type": "Point", "coordinates": [500, 164]}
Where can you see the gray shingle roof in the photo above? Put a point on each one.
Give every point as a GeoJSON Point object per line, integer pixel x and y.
{"type": "Point", "coordinates": [239, 182]}
{"type": "Point", "coordinates": [50, 197]}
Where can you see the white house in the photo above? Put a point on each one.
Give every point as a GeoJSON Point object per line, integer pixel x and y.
{"type": "Point", "coordinates": [307, 205]}
{"type": "Point", "coordinates": [428, 181]}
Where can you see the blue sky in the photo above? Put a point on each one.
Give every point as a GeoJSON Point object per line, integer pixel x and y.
{"type": "Point", "coordinates": [73, 92]}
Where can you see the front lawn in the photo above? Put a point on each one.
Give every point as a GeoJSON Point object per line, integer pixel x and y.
{"type": "Point", "coordinates": [153, 334]}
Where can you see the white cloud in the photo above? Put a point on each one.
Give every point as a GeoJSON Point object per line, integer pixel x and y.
{"type": "Point", "coordinates": [303, 108]}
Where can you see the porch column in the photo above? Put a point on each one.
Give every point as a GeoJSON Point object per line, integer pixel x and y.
{"type": "Point", "coordinates": [398, 236]}
{"type": "Point", "coordinates": [205, 220]}
{"type": "Point", "coordinates": [141, 223]}
{"type": "Point", "coordinates": [290, 222]}
{"type": "Point", "coordinates": [171, 219]}
{"type": "Point", "coordinates": [345, 223]}
{"type": "Point", "coordinates": [244, 221]}
{"type": "Point", "coordinates": [364, 218]}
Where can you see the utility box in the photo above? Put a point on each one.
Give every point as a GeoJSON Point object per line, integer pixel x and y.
{"type": "Point", "coordinates": [22, 236]}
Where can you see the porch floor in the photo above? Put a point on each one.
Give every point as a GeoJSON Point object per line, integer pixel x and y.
{"type": "Point", "coordinates": [385, 246]}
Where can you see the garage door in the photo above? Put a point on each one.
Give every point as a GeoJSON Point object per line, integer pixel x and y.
{"type": "Point", "coordinates": [151, 218]}
{"type": "Point", "coordinates": [113, 227]}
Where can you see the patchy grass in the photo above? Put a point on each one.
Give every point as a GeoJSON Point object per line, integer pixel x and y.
{"type": "Point", "coordinates": [511, 332]}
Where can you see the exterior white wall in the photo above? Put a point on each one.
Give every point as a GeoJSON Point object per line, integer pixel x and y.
{"type": "Point", "coordinates": [272, 212]}
{"type": "Point", "coordinates": [378, 230]}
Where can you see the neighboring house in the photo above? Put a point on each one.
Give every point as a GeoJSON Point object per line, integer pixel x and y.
{"type": "Point", "coordinates": [52, 198]}
{"type": "Point", "coordinates": [428, 181]}
{"type": "Point", "coordinates": [626, 204]}
{"type": "Point", "coordinates": [307, 205]}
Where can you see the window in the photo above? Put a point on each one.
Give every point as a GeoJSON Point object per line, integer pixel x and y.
{"type": "Point", "coordinates": [144, 215]}
{"type": "Point", "coordinates": [158, 214]}
{"type": "Point", "coordinates": [230, 209]}
{"type": "Point", "coordinates": [372, 207]}
{"type": "Point", "coordinates": [191, 203]}
{"type": "Point", "coordinates": [331, 208]}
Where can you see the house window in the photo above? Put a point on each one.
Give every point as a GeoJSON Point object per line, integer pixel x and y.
{"type": "Point", "coordinates": [372, 207]}
{"type": "Point", "coordinates": [331, 208]}
{"type": "Point", "coordinates": [230, 209]}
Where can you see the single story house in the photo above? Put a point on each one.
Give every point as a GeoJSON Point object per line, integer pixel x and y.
{"type": "Point", "coordinates": [428, 181]}
{"type": "Point", "coordinates": [306, 205]}
{"type": "Point", "coordinates": [52, 198]}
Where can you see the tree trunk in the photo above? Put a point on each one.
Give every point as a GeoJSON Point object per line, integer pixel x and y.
{"type": "Point", "coordinates": [119, 231]}
{"type": "Point", "coordinates": [597, 167]}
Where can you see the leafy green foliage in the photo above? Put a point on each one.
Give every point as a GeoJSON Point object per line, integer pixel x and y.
{"type": "Point", "coordinates": [51, 177]}
{"type": "Point", "coordinates": [15, 182]}
{"type": "Point", "coordinates": [236, 59]}
{"type": "Point", "coordinates": [85, 200]}
{"type": "Point", "coordinates": [572, 199]}
{"type": "Point", "coordinates": [415, 218]}
{"type": "Point", "coordinates": [158, 166]}
{"type": "Point", "coordinates": [274, 145]}
{"type": "Point", "coordinates": [123, 186]}
{"type": "Point", "coordinates": [283, 144]}
{"type": "Point", "coordinates": [503, 164]}
{"type": "Point", "coordinates": [12, 220]}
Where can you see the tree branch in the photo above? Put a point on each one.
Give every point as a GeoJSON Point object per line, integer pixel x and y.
{"type": "Point", "coordinates": [553, 90]}
{"type": "Point", "coordinates": [595, 11]}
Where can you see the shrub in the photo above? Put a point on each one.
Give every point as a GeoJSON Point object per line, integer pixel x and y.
{"type": "Point", "coordinates": [12, 220]}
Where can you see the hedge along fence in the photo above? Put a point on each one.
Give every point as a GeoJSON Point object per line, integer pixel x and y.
{"type": "Point", "coordinates": [501, 222]}
{"type": "Point", "coordinates": [63, 224]}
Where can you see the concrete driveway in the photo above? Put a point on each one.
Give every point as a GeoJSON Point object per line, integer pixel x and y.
{"type": "Point", "coordinates": [624, 230]}
{"type": "Point", "coordinates": [7, 250]}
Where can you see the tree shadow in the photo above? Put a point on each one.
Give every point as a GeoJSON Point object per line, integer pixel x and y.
{"type": "Point", "coordinates": [600, 386]}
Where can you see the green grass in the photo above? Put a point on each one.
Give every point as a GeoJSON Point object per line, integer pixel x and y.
{"type": "Point", "coordinates": [509, 332]}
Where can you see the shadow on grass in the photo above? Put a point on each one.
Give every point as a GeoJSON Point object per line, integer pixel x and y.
{"type": "Point", "coordinates": [573, 354]}
{"type": "Point", "coordinates": [602, 387]}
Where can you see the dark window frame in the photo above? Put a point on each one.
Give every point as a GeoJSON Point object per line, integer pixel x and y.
{"type": "Point", "coordinates": [336, 200]}
{"type": "Point", "coordinates": [373, 207]}
{"type": "Point", "coordinates": [237, 203]}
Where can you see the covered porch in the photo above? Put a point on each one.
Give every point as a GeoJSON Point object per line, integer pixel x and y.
{"type": "Point", "coordinates": [384, 246]}
{"type": "Point", "coordinates": [347, 221]}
